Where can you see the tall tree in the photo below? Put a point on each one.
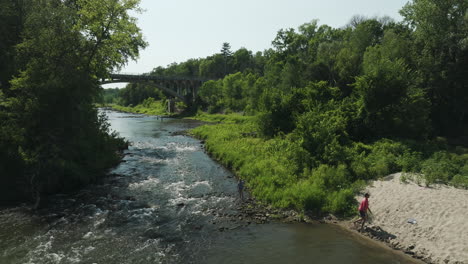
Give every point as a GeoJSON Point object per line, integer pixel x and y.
{"type": "Point", "coordinates": [67, 47]}
{"type": "Point", "coordinates": [441, 47]}
{"type": "Point", "coordinates": [226, 53]}
{"type": "Point", "coordinates": [11, 23]}
{"type": "Point", "coordinates": [243, 60]}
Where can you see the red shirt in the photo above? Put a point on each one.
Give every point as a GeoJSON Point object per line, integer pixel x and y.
{"type": "Point", "coordinates": [364, 205]}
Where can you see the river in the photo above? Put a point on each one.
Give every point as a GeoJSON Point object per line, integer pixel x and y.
{"type": "Point", "coordinates": [168, 202]}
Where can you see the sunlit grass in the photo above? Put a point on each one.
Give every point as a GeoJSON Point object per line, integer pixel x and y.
{"type": "Point", "coordinates": [148, 107]}
{"type": "Point", "coordinates": [280, 172]}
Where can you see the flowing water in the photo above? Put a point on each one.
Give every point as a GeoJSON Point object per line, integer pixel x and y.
{"type": "Point", "coordinates": [168, 202]}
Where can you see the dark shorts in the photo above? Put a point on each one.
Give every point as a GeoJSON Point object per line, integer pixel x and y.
{"type": "Point", "coordinates": [362, 213]}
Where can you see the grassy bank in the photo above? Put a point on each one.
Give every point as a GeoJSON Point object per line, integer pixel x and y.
{"type": "Point", "coordinates": [148, 107]}
{"type": "Point", "coordinates": [281, 172]}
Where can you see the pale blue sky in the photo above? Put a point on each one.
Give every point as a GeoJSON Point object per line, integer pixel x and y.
{"type": "Point", "coordinates": [177, 30]}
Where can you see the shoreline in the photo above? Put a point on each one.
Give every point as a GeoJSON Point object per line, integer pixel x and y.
{"type": "Point", "coordinates": [376, 235]}
{"type": "Point", "coordinates": [260, 213]}
{"type": "Point", "coordinates": [136, 111]}
{"type": "Point", "coordinates": [371, 240]}
{"type": "Point", "coordinates": [373, 233]}
{"type": "Point", "coordinates": [427, 223]}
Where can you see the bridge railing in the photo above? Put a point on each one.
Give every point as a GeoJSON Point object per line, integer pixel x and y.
{"type": "Point", "coordinates": [147, 76]}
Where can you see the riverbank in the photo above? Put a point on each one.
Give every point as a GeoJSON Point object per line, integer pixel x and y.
{"type": "Point", "coordinates": [148, 107]}
{"type": "Point", "coordinates": [427, 223]}
{"type": "Point", "coordinates": [237, 149]}
{"type": "Point", "coordinates": [235, 145]}
{"type": "Point", "coordinates": [435, 236]}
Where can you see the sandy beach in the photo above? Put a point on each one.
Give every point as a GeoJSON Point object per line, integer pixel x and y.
{"type": "Point", "coordinates": [428, 222]}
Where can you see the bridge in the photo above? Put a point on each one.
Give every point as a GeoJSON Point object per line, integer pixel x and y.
{"type": "Point", "coordinates": [183, 88]}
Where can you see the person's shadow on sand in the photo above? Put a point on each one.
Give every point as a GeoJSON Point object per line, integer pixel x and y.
{"type": "Point", "coordinates": [378, 233]}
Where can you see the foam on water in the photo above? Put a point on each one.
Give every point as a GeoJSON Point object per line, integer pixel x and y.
{"type": "Point", "coordinates": [146, 145]}
{"type": "Point", "coordinates": [88, 235]}
{"type": "Point", "coordinates": [176, 188]}
{"type": "Point", "coordinates": [200, 212]}
{"type": "Point", "coordinates": [42, 254]}
{"type": "Point", "coordinates": [100, 217]}
{"type": "Point", "coordinates": [201, 186]}
{"type": "Point", "coordinates": [152, 160]}
{"type": "Point", "coordinates": [222, 199]}
{"type": "Point", "coordinates": [148, 243]}
{"type": "Point", "coordinates": [182, 147]}
{"type": "Point", "coordinates": [76, 255]}
{"type": "Point", "coordinates": [147, 184]}
{"type": "Point", "coordinates": [61, 220]}
{"type": "Point", "coordinates": [142, 213]}
{"type": "Point", "coordinates": [89, 249]}
{"type": "Point", "coordinates": [54, 257]}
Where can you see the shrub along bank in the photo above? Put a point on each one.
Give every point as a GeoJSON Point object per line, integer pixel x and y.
{"type": "Point", "coordinates": [281, 172]}
{"type": "Point", "coordinates": [149, 106]}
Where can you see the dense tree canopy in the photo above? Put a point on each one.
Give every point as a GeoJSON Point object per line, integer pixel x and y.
{"type": "Point", "coordinates": [402, 79]}
{"type": "Point", "coordinates": [440, 44]}
{"type": "Point", "coordinates": [52, 58]}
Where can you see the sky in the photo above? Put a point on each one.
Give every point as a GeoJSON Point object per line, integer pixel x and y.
{"type": "Point", "coordinates": [177, 30]}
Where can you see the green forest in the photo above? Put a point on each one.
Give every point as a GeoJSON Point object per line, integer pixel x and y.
{"type": "Point", "coordinates": [52, 55]}
{"type": "Point", "coordinates": [306, 122]}
{"type": "Point", "coordinates": [309, 121]}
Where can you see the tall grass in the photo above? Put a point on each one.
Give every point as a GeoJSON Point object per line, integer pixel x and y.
{"type": "Point", "coordinates": [281, 172]}
{"type": "Point", "coordinates": [274, 169]}
{"type": "Point", "coordinates": [149, 107]}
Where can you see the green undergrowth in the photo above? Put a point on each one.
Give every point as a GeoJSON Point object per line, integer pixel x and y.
{"type": "Point", "coordinates": [281, 172]}
{"type": "Point", "coordinates": [148, 107]}
{"type": "Point", "coordinates": [232, 118]}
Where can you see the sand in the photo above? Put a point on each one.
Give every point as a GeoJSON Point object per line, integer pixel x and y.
{"type": "Point", "coordinates": [440, 230]}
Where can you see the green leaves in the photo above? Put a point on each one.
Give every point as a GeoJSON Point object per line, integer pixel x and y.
{"type": "Point", "coordinates": [443, 167]}
{"type": "Point", "coordinates": [112, 35]}
{"type": "Point", "coordinates": [390, 101]}
{"type": "Point", "coordinates": [440, 32]}
{"type": "Point", "coordinates": [51, 130]}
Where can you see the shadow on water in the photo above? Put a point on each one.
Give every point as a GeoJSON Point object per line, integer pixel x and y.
{"type": "Point", "coordinates": [168, 202]}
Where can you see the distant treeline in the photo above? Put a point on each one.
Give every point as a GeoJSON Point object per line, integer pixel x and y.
{"type": "Point", "coordinates": [405, 79]}
{"type": "Point", "coordinates": [52, 54]}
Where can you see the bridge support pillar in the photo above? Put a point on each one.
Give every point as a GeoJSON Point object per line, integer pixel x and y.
{"type": "Point", "coordinates": [170, 105]}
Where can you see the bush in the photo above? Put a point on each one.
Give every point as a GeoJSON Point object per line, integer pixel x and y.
{"type": "Point", "coordinates": [410, 161]}
{"type": "Point", "coordinates": [382, 158]}
{"type": "Point", "coordinates": [330, 177]}
{"type": "Point", "coordinates": [282, 172]}
{"type": "Point", "coordinates": [443, 166]}
{"type": "Point", "coordinates": [341, 202]}
{"type": "Point", "coordinates": [461, 180]}
{"type": "Point", "coordinates": [308, 196]}
{"type": "Point", "coordinates": [149, 106]}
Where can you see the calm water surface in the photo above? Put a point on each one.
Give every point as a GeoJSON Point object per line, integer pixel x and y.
{"type": "Point", "coordinates": [168, 202]}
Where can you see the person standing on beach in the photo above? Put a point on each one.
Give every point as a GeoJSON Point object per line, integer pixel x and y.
{"type": "Point", "coordinates": [240, 188]}
{"type": "Point", "coordinates": [363, 208]}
